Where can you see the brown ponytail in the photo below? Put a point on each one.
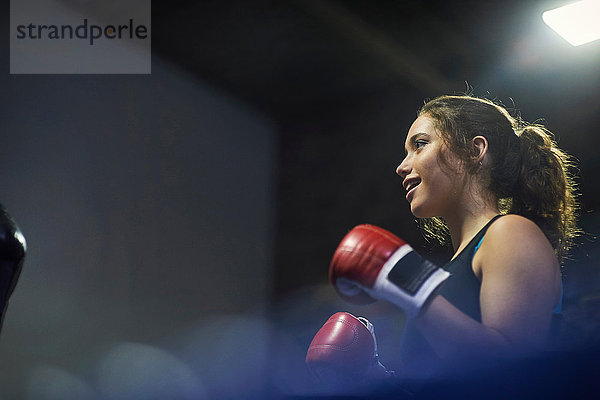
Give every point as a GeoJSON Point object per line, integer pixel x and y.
{"type": "Point", "coordinates": [545, 191]}
{"type": "Point", "coordinates": [527, 174]}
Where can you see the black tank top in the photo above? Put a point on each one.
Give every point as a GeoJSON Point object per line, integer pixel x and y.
{"type": "Point", "coordinates": [462, 290]}
{"type": "Point", "coordinates": [463, 287]}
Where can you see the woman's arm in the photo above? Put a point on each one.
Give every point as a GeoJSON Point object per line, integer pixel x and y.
{"type": "Point", "coordinates": [520, 285]}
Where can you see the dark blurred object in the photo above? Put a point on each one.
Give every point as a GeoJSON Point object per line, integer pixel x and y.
{"type": "Point", "coordinates": [12, 255]}
{"type": "Point", "coordinates": [555, 375]}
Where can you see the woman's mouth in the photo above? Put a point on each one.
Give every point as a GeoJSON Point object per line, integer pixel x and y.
{"type": "Point", "coordinates": [410, 188]}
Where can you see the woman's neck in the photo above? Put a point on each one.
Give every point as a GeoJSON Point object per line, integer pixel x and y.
{"type": "Point", "coordinates": [465, 222]}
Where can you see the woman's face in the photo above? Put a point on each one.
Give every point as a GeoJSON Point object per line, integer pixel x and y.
{"type": "Point", "coordinates": [433, 186]}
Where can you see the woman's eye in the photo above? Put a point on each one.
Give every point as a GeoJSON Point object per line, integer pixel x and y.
{"type": "Point", "coordinates": [420, 143]}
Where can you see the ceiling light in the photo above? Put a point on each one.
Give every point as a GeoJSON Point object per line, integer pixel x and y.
{"type": "Point", "coordinates": [578, 23]}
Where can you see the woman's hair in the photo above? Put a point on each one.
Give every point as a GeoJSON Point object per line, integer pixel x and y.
{"type": "Point", "coordinates": [526, 172]}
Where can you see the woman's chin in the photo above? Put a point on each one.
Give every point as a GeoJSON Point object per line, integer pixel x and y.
{"type": "Point", "coordinates": [420, 212]}
{"type": "Point", "coordinates": [416, 211]}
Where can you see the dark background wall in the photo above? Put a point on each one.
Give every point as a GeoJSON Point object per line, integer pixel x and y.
{"type": "Point", "coordinates": [147, 203]}
{"type": "Point", "coordinates": [180, 224]}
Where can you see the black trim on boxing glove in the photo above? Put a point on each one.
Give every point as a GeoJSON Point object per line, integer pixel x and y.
{"type": "Point", "coordinates": [410, 272]}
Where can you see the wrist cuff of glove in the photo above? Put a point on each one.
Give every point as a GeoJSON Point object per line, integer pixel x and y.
{"type": "Point", "coordinates": [408, 280]}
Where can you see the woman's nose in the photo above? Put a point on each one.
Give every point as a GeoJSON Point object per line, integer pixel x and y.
{"type": "Point", "coordinates": [404, 168]}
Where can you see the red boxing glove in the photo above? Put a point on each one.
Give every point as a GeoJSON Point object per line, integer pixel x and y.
{"type": "Point", "coordinates": [371, 263]}
{"type": "Point", "coordinates": [344, 352]}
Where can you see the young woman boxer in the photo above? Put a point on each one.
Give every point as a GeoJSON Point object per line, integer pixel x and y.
{"type": "Point", "coordinates": [500, 190]}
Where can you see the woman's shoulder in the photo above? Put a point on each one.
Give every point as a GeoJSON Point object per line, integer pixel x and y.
{"type": "Point", "coordinates": [516, 231]}
{"type": "Point", "coordinates": [515, 238]}
{"type": "Point", "coordinates": [512, 224]}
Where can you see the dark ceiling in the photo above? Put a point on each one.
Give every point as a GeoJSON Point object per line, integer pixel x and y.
{"type": "Point", "coordinates": [286, 56]}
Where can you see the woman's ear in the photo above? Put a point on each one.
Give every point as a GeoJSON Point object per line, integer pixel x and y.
{"type": "Point", "coordinates": [480, 148]}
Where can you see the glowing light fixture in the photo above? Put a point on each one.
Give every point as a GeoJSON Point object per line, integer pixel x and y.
{"type": "Point", "coordinates": [578, 23]}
